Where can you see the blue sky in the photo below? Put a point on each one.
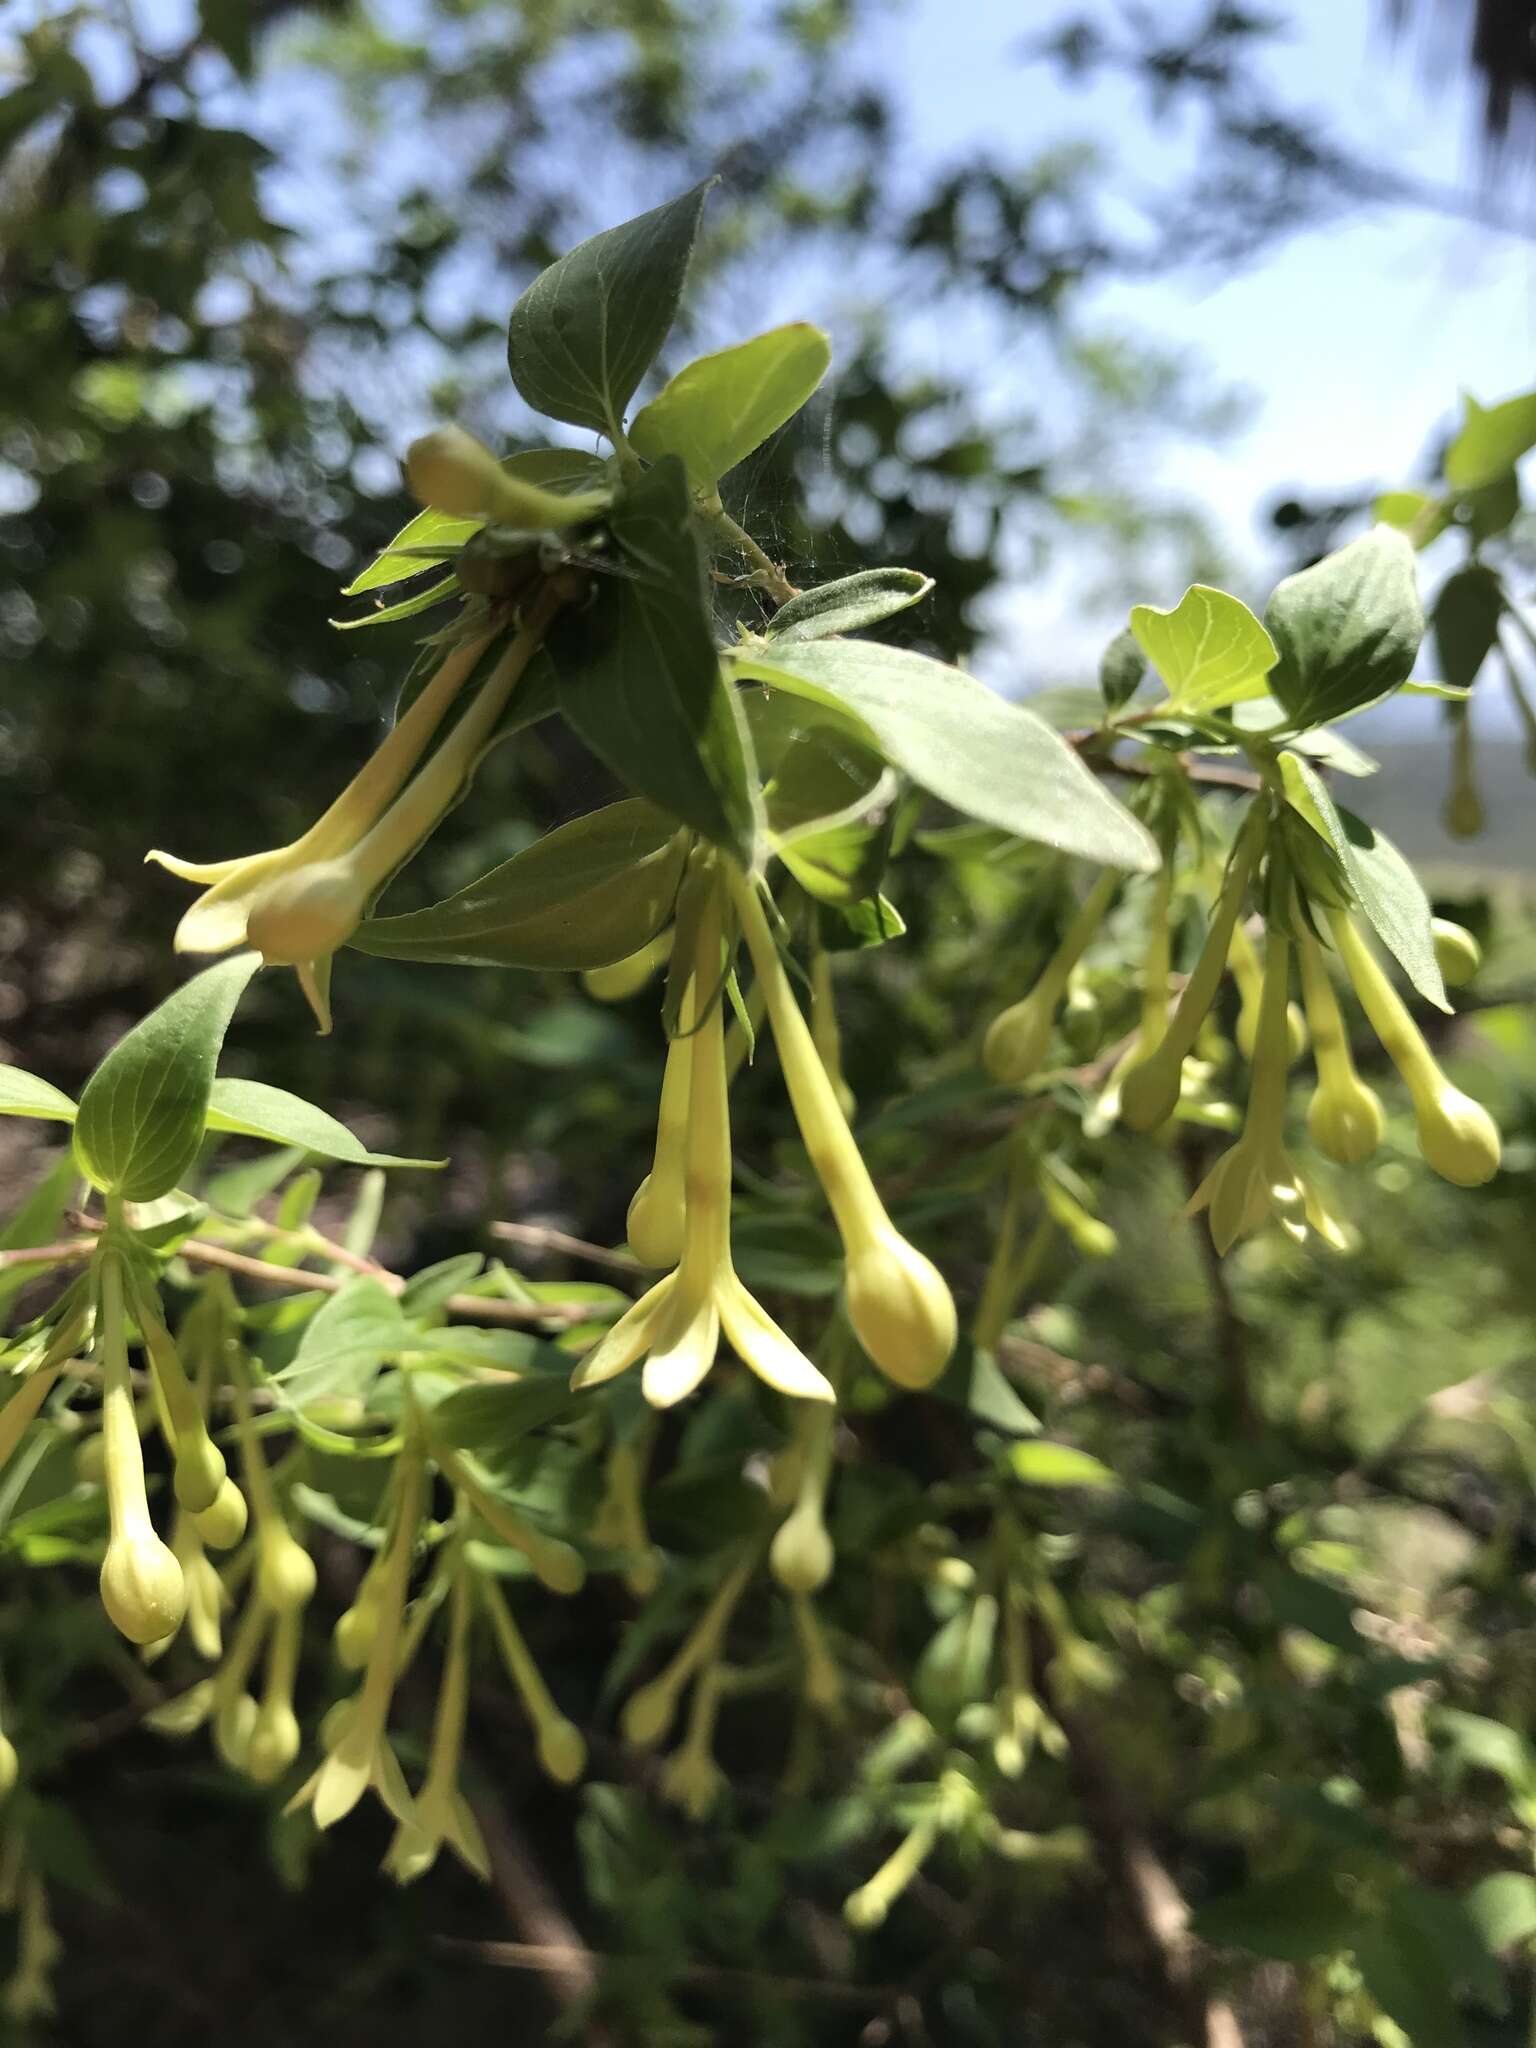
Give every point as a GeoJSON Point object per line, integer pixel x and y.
{"type": "Point", "coordinates": [1352, 340]}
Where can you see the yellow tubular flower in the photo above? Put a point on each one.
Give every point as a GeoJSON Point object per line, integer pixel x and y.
{"type": "Point", "coordinates": [1256, 1178]}
{"type": "Point", "coordinates": [626, 978]}
{"type": "Point", "coordinates": [901, 1310]}
{"type": "Point", "coordinates": [142, 1587]}
{"type": "Point", "coordinates": [650, 1712]}
{"type": "Point", "coordinates": [825, 1035]}
{"type": "Point", "coordinates": [442, 1812]}
{"type": "Point", "coordinates": [561, 1746]}
{"type": "Point", "coordinates": [655, 1223]}
{"type": "Point", "coordinates": [1249, 976]}
{"type": "Point", "coordinates": [1457, 953]}
{"type": "Point", "coordinates": [199, 1464]}
{"type": "Point", "coordinates": [274, 1740]}
{"type": "Point", "coordinates": [867, 1908]}
{"type": "Point", "coordinates": [690, 1777]}
{"type": "Point", "coordinates": [1344, 1117]}
{"type": "Point", "coordinates": [677, 1325]}
{"type": "Point", "coordinates": [1457, 1136]}
{"type": "Point", "coordinates": [362, 1756]}
{"type": "Point", "coordinates": [801, 1556]}
{"type": "Point", "coordinates": [217, 920]}
{"type": "Point", "coordinates": [301, 917]}
{"type": "Point", "coordinates": [1018, 1038]}
{"type": "Point", "coordinates": [1149, 1091]}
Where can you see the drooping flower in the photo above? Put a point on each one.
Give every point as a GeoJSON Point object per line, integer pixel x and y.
{"type": "Point", "coordinates": [442, 1813]}
{"type": "Point", "coordinates": [1018, 1038]}
{"type": "Point", "coordinates": [898, 1303]}
{"type": "Point", "coordinates": [142, 1587]}
{"type": "Point", "coordinates": [1256, 1178]}
{"type": "Point", "coordinates": [1457, 1136]}
{"type": "Point", "coordinates": [676, 1326]}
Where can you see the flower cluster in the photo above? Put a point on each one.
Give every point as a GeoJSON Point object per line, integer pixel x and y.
{"type": "Point", "coordinates": [899, 1307]}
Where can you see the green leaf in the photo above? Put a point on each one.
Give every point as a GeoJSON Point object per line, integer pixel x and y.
{"type": "Point", "coordinates": [1390, 894]}
{"type": "Point", "coordinates": [589, 327]}
{"type": "Point", "coordinates": [489, 1421]}
{"type": "Point", "coordinates": [585, 895]}
{"type": "Point", "coordinates": [849, 604]}
{"type": "Point", "coordinates": [1503, 1910]}
{"type": "Point", "coordinates": [991, 759]}
{"type": "Point", "coordinates": [717, 410]}
{"type": "Point", "coordinates": [1491, 441]}
{"type": "Point", "coordinates": [428, 1292]}
{"type": "Point", "coordinates": [1209, 650]}
{"type": "Point", "coordinates": [815, 773]}
{"type": "Point", "coordinates": [974, 1380]}
{"type": "Point", "coordinates": [23, 1094]}
{"type": "Point", "coordinates": [143, 1111]}
{"type": "Point", "coordinates": [1466, 623]}
{"type": "Point", "coordinates": [345, 1346]}
{"type": "Point", "coordinates": [1046, 1464]}
{"type": "Point", "coordinates": [253, 1109]}
{"type": "Point", "coordinates": [1298, 1918]}
{"type": "Point", "coordinates": [1414, 513]}
{"type": "Point", "coordinates": [841, 866]}
{"type": "Point", "coordinates": [1348, 629]}
{"type": "Point", "coordinates": [1484, 1744]}
{"type": "Point", "coordinates": [558, 472]}
{"type": "Point", "coordinates": [1122, 669]}
{"type": "Point", "coordinates": [406, 608]}
{"type": "Point", "coordinates": [640, 676]}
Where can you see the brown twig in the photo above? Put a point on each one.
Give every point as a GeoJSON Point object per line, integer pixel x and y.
{"type": "Point", "coordinates": [547, 1957]}
{"type": "Point", "coordinates": [543, 1237]}
{"type": "Point", "coordinates": [552, 1944]}
{"type": "Point", "coordinates": [470, 1308]}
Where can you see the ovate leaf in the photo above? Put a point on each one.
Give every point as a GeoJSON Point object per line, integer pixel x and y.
{"type": "Point", "coordinates": [848, 605]}
{"type": "Point", "coordinates": [640, 676]}
{"type": "Point", "coordinates": [1122, 668]}
{"type": "Point", "coordinates": [1209, 650]}
{"type": "Point", "coordinates": [589, 327]}
{"type": "Point", "coordinates": [717, 410]}
{"type": "Point", "coordinates": [143, 1111]}
{"type": "Point", "coordinates": [1503, 1910]}
{"type": "Point", "coordinates": [254, 1109]}
{"type": "Point", "coordinates": [1348, 629]}
{"type": "Point", "coordinates": [1046, 1464]}
{"type": "Point", "coordinates": [1491, 441]}
{"type": "Point", "coordinates": [24, 1094]}
{"type": "Point", "coordinates": [1388, 891]}
{"type": "Point", "coordinates": [991, 759]}
{"type": "Point", "coordinates": [1466, 623]}
{"type": "Point", "coordinates": [585, 895]}
{"type": "Point", "coordinates": [349, 1340]}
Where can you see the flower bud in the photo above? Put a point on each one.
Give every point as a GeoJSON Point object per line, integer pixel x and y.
{"type": "Point", "coordinates": [223, 1524]}
{"type": "Point", "coordinates": [352, 1637]}
{"type": "Point", "coordinates": [1344, 1119]}
{"type": "Point", "coordinates": [802, 1557]}
{"type": "Point", "coordinates": [453, 472]}
{"type": "Point", "coordinates": [307, 915]}
{"type": "Point", "coordinates": [1248, 1029]}
{"type": "Point", "coordinates": [90, 1460]}
{"type": "Point", "coordinates": [655, 1224]}
{"type": "Point", "coordinates": [1149, 1091]}
{"type": "Point", "coordinates": [902, 1312]}
{"type": "Point", "coordinates": [1018, 1039]}
{"type": "Point", "coordinates": [285, 1571]}
{"type": "Point", "coordinates": [562, 1751]}
{"type": "Point", "coordinates": [1457, 1136]}
{"type": "Point", "coordinates": [1458, 954]}
{"type": "Point", "coordinates": [199, 1471]}
{"type": "Point", "coordinates": [626, 977]}
{"type": "Point", "coordinates": [10, 1764]}
{"type": "Point", "coordinates": [273, 1742]}
{"type": "Point", "coordinates": [648, 1713]}
{"type": "Point", "coordinates": [233, 1726]}
{"type": "Point", "coordinates": [142, 1587]}
{"type": "Point", "coordinates": [693, 1780]}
